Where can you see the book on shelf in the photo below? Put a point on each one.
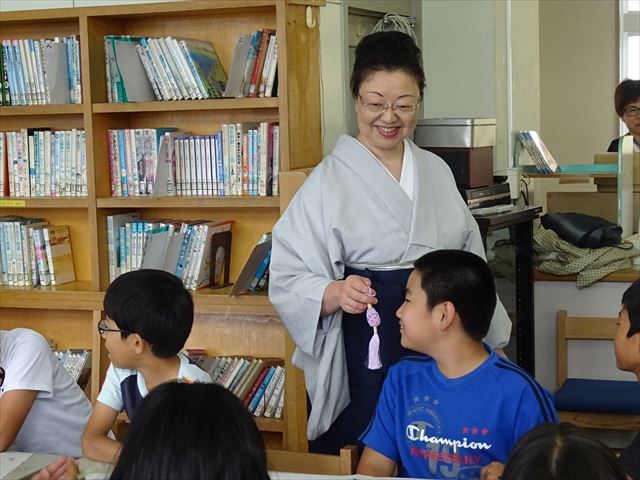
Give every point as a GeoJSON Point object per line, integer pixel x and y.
{"type": "Point", "coordinates": [77, 363]}
{"type": "Point", "coordinates": [254, 63]}
{"type": "Point", "coordinates": [59, 254]}
{"type": "Point", "coordinates": [268, 392]}
{"type": "Point", "coordinates": [537, 150]}
{"type": "Point", "coordinates": [275, 397]}
{"type": "Point", "coordinates": [41, 71]}
{"type": "Point", "coordinates": [258, 260]}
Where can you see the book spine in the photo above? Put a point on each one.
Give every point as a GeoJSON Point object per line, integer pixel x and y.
{"type": "Point", "coordinates": [280, 407]}
{"type": "Point", "coordinates": [277, 393]}
{"type": "Point", "coordinates": [202, 89]}
{"type": "Point", "coordinates": [47, 244]}
{"type": "Point", "coordinates": [261, 389]}
{"type": "Point", "coordinates": [262, 403]}
{"type": "Point", "coordinates": [146, 64]}
{"type": "Point", "coordinates": [268, 90]}
{"type": "Point", "coordinates": [247, 400]}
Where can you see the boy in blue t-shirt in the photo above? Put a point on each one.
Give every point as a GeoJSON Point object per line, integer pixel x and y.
{"type": "Point", "coordinates": [462, 407]}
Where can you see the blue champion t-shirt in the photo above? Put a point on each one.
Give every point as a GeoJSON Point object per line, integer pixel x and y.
{"type": "Point", "coordinates": [436, 427]}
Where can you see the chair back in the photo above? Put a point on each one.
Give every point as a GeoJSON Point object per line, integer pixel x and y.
{"type": "Point", "coordinates": [321, 464]}
{"type": "Point", "coordinates": [579, 328]}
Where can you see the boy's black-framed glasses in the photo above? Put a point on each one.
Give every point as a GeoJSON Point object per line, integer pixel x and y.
{"type": "Point", "coordinates": [102, 328]}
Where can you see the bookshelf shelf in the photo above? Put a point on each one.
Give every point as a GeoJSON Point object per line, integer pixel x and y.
{"type": "Point", "coordinates": [270, 424]}
{"type": "Point", "coordinates": [590, 170]}
{"type": "Point", "coordinates": [68, 313]}
{"type": "Point", "coordinates": [188, 202]}
{"type": "Point", "coordinates": [69, 296]}
{"type": "Point", "coordinates": [187, 105]}
{"type": "Point", "coordinates": [48, 202]}
{"type": "Point", "coordinates": [65, 109]}
{"type": "Point", "coordinates": [217, 301]}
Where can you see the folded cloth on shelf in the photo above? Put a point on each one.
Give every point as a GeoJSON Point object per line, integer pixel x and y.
{"type": "Point", "coordinates": [554, 255]}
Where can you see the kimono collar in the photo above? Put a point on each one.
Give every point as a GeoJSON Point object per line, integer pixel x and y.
{"type": "Point", "coordinates": [355, 156]}
{"type": "Point", "coordinates": [424, 222]}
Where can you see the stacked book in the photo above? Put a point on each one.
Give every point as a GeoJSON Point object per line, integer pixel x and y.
{"type": "Point", "coordinates": [77, 363]}
{"type": "Point", "coordinates": [40, 72]}
{"type": "Point", "coordinates": [180, 247]}
{"type": "Point", "coordinates": [38, 162]}
{"type": "Point", "coordinates": [241, 159]}
{"type": "Point", "coordinates": [258, 382]}
{"type": "Point", "coordinates": [255, 65]}
{"type": "Point", "coordinates": [34, 253]}
{"type": "Point", "coordinates": [140, 69]}
{"type": "Point", "coordinates": [537, 150]}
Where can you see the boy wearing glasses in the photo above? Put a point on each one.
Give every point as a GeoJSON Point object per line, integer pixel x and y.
{"type": "Point", "coordinates": [149, 315]}
{"type": "Point", "coordinates": [41, 408]}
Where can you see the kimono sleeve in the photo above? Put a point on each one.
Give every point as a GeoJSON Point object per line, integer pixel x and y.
{"type": "Point", "coordinates": [301, 268]}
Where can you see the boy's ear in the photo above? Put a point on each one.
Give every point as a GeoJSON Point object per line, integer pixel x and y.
{"type": "Point", "coordinates": [447, 312]}
{"type": "Point", "coordinates": [139, 344]}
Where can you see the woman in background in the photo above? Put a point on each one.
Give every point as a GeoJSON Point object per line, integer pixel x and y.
{"type": "Point", "coordinates": [627, 103]}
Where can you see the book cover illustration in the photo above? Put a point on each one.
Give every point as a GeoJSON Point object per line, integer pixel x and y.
{"type": "Point", "coordinates": [208, 66]}
{"type": "Point", "coordinates": [61, 254]}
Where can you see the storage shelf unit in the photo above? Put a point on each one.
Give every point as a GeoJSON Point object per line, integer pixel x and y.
{"type": "Point", "coordinates": [69, 313]}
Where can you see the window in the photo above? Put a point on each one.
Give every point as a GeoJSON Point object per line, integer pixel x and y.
{"type": "Point", "coordinates": [629, 42]}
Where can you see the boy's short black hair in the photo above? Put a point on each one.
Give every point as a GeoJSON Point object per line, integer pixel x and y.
{"type": "Point", "coordinates": [631, 301]}
{"type": "Point", "coordinates": [155, 305]}
{"type": "Point", "coordinates": [463, 279]}
{"type": "Point", "coordinates": [387, 51]}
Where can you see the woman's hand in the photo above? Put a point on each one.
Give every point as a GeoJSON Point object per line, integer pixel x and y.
{"type": "Point", "coordinates": [64, 468]}
{"type": "Point", "coordinates": [349, 294]}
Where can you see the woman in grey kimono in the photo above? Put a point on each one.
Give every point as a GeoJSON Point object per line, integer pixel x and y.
{"type": "Point", "coordinates": [366, 212]}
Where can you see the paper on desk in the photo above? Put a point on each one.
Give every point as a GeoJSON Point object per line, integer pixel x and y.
{"type": "Point", "coordinates": [9, 461]}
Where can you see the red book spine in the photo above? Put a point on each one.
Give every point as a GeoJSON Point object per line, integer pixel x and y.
{"type": "Point", "coordinates": [256, 385]}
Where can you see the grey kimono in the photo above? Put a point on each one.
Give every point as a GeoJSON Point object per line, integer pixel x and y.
{"type": "Point", "coordinates": [350, 210]}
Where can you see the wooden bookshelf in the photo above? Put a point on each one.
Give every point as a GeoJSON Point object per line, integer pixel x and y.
{"type": "Point", "coordinates": [244, 325]}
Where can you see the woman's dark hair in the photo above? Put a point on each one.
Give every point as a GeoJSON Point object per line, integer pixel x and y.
{"type": "Point", "coordinates": [562, 452]}
{"type": "Point", "coordinates": [195, 431]}
{"type": "Point", "coordinates": [631, 301]}
{"type": "Point", "coordinates": [387, 51]}
{"type": "Point", "coordinates": [628, 91]}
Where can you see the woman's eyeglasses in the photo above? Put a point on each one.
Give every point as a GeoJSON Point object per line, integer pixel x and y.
{"type": "Point", "coordinates": [102, 328]}
{"type": "Point", "coordinates": [401, 109]}
{"type": "Point", "coordinates": [631, 111]}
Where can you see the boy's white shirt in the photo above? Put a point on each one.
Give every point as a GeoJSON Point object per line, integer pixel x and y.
{"type": "Point", "coordinates": [111, 395]}
{"type": "Point", "coordinates": [61, 410]}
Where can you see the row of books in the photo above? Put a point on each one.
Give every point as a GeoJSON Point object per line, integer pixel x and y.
{"type": "Point", "coordinates": [142, 69]}
{"type": "Point", "coordinates": [241, 159]}
{"type": "Point", "coordinates": [258, 382]}
{"type": "Point", "coordinates": [254, 67]}
{"type": "Point", "coordinates": [34, 253]}
{"type": "Point", "coordinates": [180, 247]}
{"type": "Point", "coordinates": [77, 363]}
{"type": "Point", "coordinates": [537, 150]}
{"type": "Point", "coordinates": [38, 162]}
{"type": "Point", "coordinates": [41, 72]}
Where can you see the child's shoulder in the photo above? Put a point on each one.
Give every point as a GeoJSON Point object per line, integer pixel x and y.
{"type": "Point", "coordinates": [409, 365]}
{"type": "Point", "coordinates": [514, 379]}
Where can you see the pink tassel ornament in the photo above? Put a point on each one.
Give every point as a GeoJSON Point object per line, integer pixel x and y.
{"type": "Point", "coordinates": [373, 319]}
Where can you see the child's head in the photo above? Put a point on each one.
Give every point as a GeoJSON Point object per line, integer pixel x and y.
{"type": "Point", "coordinates": [627, 340]}
{"type": "Point", "coordinates": [152, 304]}
{"type": "Point", "coordinates": [192, 431]}
{"type": "Point", "coordinates": [446, 284]}
{"type": "Point", "coordinates": [561, 452]}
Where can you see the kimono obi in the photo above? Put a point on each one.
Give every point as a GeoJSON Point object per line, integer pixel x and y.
{"type": "Point", "coordinates": [379, 268]}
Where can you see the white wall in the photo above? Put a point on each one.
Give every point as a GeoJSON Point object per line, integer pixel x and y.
{"type": "Point", "coordinates": [458, 42]}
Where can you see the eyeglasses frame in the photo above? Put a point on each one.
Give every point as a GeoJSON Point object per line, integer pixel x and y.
{"type": "Point", "coordinates": [394, 107]}
{"type": "Point", "coordinates": [102, 330]}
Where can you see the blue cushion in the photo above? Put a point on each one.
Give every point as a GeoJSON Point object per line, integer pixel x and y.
{"type": "Point", "coordinates": [598, 396]}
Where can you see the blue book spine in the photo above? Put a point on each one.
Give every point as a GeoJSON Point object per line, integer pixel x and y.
{"type": "Point", "coordinates": [183, 251]}
{"type": "Point", "coordinates": [122, 236]}
{"type": "Point", "coordinates": [70, 73]}
{"type": "Point", "coordinates": [22, 85]}
{"type": "Point", "coordinates": [258, 396]}
{"type": "Point", "coordinates": [11, 76]}
{"type": "Point", "coordinates": [260, 271]}
{"type": "Point", "coordinates": [123, 163]}
{"type": "Point", "coordinates": [220, 163]}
